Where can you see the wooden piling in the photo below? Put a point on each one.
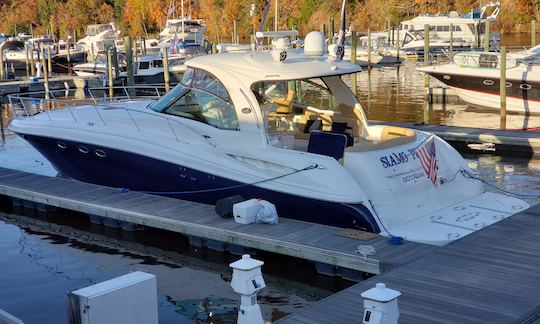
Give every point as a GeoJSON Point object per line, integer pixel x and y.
{"type": "Point", "coordinates": [331, 31]}
{"type": "Point", "coordinates": [393, 36]}
{"type": "Point", "coordinates": [487, 35]}
{"type": "Point", "coordinates": [426, 59]}
{"type": "Point", "coordinates": [398, 45]}
{"type": "Point", "coordinates": [369, 50]}
{"type": "Point", "coordinates": [533, 33]}
{"type": "Point", "coordinates": [502, 87]}
{"type": "Point", "coordinates": [2, 67]}
{"type": "Point", "coordinates": [128, 46]}
{"type": "Point", "coordinates": [324, 30]}
{"type": "Point", "coordinates": [451, 38]}
{"type": "Point", "coordinates": [115, 63]}
{"type": "Point", "coordinates": [27, 61]}
{"type": "Point", "coordinates": [32, 61]}
{"type": "Point", "coordinates": [389, 26]}
{"type": "Point", "coordinates": [45, 72]}
{"type": "Point", "coordinates": [166, 76]}
{"type": "Point", "coordinates": [110, 73]}
{"type": "Point", "coordinates": [49, 61]}
{"type": "Point", "coordinates": [353, 61]}
{"type": "Point", "coordinates": [144, 44]}
{"type": "Point", "coordinates": [214, 48]}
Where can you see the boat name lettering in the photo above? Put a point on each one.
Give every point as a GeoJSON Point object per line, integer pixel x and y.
{"type": "Point", "coordinates": [397, 158]}
{"type": "Point", "coordinates": [414, 176]}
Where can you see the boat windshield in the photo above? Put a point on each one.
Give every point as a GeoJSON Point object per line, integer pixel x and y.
{"type": "Point", "coordinates": [200, 97]}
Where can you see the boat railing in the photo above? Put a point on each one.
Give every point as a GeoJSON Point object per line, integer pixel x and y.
{"type": "Point", "coordinates": [30, 104]}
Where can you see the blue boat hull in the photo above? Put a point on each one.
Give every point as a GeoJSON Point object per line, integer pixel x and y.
{"type": "Point", "coordinates": [122, 169]}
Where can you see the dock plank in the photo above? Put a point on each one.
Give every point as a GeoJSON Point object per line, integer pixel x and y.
{"type": "Point", "coordinates": [490, 276]}
{"type": "Point", "coordinates": [290, 237]}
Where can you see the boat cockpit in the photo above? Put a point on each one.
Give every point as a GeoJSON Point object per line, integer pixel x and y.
{"type": "Point", "coordinates": [318, 114]}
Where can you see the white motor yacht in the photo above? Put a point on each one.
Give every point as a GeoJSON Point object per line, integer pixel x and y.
{"type": "Point", "coordinates": [466, 30]}
{"type": "Point", "coordinates": [147, 69]}
{"type": "Point", "coordinates": [280, 125]}
{"type": "Point", "coordinates": [475, 77]}
{"type": "Point", "coordinates": [98, 38]}
{"type": "Point", "coordinates": [186, 29]}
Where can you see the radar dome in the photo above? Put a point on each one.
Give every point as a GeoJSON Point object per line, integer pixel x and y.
{"type": "Point", "coordinates": [315, 44]}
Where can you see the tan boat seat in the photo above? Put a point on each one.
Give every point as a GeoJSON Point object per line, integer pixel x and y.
{"type": "Point", "coordinates": [391, 136]}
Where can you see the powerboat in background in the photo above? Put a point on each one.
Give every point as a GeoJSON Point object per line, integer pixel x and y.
{"type": "Point", "coordinates": [466, 30]}
{"type": "Point", "coordinates": [280, 125]}
{"type": "Point", "coordinates": [147, 69]}
{"type": "Point", "coordinates": [475, 77]}
{"type": "Point", "coordinates": [98, 38]}
{"type": "Point", "coordinates": [186, 29]}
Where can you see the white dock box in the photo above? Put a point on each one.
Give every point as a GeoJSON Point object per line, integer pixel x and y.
{"type": "Point", "coordinates": [131, 298]}
{"type": "Point", "coordinates": [245, 212]}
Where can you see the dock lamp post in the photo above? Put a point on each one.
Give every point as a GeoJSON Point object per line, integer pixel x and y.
{"type": "Point", "coordinates": [381, 305]}
{"type": "Point", "coordinates": [247, 281]}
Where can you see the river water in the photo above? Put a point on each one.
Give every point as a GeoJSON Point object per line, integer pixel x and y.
{"type": "Point", "coordinates": [43, 257]}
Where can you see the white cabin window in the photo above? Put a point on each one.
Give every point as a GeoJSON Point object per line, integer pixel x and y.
{"type": "Point", "coordinates": [203, 80]}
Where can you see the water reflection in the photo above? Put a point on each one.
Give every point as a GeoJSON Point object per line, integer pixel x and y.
{"type": "Point", "coordinates": [396, 94]}
{"type": "Point", "coordinates": [57, 253]}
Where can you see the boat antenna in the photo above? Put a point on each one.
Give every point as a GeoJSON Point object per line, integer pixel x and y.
{"type": "Point", "coordinates": [265, 15]}
{"type": "Point", "coordinates": [340, 51]}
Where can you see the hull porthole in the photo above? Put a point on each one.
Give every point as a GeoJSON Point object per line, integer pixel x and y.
{"type": "Point", "coordinates": [100, 153]}
{"type": "Point", "coordinates": [83, 149]}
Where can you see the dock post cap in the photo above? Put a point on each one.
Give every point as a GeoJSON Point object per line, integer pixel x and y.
{"type": "Point", "coordinates": [246, 263]}
{"type": "Point", "coordinates": [381, 293]}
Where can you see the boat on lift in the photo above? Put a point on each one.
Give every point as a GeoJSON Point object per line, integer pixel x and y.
{"type": "Point", "coordinates": [281, 125]}
{"type": "Point", "coordinates": [475, 77]}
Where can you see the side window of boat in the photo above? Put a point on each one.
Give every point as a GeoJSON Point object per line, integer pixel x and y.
{"type": "Point", "coordinates": [158, 63]}
{"type": "Point", "coordinates": [188, 77]}
{"type": "Point", "coordinates": [205, 108]}
{"type": "Point", "coordinates": [207, 82]}
{"type": "Point", "coordinates": [144, 65]}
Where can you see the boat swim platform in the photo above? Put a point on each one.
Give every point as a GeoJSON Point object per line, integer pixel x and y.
{"type": "Point", "coordinates": [490, 276]}
{"type": "Point", "coordinates": [322, 244]}
{"type": "Point", "coordinates": [518, 143]}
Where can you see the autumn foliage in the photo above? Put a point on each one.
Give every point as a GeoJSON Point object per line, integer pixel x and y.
{"type": "Point", "coordinates": [140, 17]}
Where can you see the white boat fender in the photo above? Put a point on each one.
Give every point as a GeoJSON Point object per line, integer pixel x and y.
{"type": "Point", "coordinates": [267, 213]}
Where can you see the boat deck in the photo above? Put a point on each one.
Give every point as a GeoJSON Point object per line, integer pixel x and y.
{"type": "Point", "coordinates": [504, 142]}
{"type": "Point", "coordinates": [491, 276]}
{"type": "Point", "coordinates": [314, 242]}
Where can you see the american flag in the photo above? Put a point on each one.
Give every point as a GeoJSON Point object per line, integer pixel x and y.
{"type": "Point", "coordinates": [426, 153]}
{"type": "Point", "coordinates": [174, 44]}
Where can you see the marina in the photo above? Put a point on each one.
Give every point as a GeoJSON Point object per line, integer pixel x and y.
{"type": "Point", "coordinates": [178, 162]}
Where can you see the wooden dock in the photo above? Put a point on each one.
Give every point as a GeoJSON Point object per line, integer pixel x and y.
{"type": "Point", "coordinates": [525, 144]}
{"type": "Point", "coordinates": [314, 242]}
{"type": "Point", "coordinates": [491, 276]}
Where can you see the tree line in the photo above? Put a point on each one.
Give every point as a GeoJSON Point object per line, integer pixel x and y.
{"type": "Point", "coordinates": [145, 17]}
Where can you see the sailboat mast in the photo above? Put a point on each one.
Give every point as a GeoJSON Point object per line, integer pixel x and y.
{"type": "Point", "coordinates": [183, 31]}
{"type": "Point", "coordinates": [276, 16]}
